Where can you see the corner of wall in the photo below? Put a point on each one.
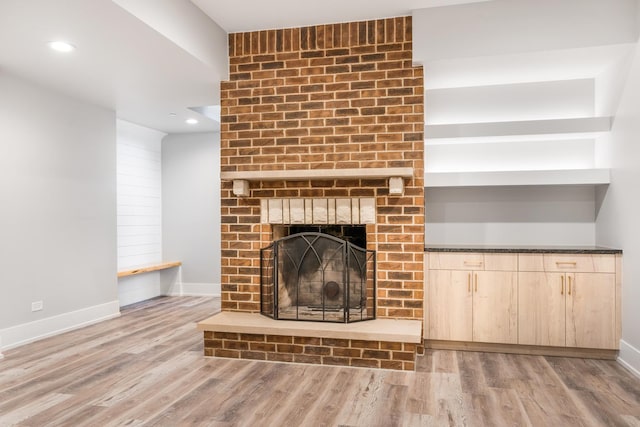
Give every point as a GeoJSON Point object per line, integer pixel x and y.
{"type": "Point", "coordinates": [629, 357]}
{"type": "Point", "coordinates": [637, 19]}
{"type": "Point", "coordinates": [196, 290]}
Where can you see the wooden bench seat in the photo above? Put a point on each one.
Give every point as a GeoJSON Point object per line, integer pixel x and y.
{"type": "Point", "coordinates": [149, 268]}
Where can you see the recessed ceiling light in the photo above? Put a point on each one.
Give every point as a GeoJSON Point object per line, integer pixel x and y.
{"type": "Point", "coordinates": [61, 46]}
{"type": "Point", "coordinates": [191, 121]}
{"type": "Point", "coordinates": [172, 114]}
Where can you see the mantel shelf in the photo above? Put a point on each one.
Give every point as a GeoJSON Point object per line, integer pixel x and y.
{"type": "Point", "coordinates": [318, 174]}
{"type": "Point", "coordinates": [508, 178]}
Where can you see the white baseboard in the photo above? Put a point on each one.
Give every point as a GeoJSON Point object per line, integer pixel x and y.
{"type": "Point", "coordinates": [196, 289]}
{"type": "Point", "coordinates": [629, 357]}
{"type": "Point", "coordinates": [25, 333]}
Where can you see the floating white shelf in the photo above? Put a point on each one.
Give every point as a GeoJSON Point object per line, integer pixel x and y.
{"type": "Point", "coordinates": [511, 178]}
{"type": "Point", "coordinates": [529, 127]}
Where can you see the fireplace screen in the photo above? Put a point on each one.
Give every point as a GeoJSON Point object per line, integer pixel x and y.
{"type": "Point", "coordinates": [317, 277]}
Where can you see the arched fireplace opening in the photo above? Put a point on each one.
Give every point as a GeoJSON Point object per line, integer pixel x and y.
{"type": "Point", "coordinates": [317, 276]}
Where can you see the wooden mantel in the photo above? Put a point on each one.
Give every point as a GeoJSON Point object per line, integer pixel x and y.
{"type": "Point", "coordinates": [305, 174]}
{"type": "Point", "coordinates": [396, 175]}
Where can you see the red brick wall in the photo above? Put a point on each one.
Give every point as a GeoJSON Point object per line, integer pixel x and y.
{"type": "Point", "coordinates": [327, 97]}
{"type": "Point", "coordinates": [319, 351]}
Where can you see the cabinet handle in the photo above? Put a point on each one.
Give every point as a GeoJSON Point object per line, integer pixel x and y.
{"type": "Point", "coordinates": [476, 277]}
{"type": "Point", "coordinates": [561, 285]}
{"type": "Point", "coordinates": [569, 279]}
{"type": "Point", "coordinates": [475, 264]}
{"type": "Point", "coordinates": [469, 282]}
{"type": "Point", "coordinates": [559, 263]}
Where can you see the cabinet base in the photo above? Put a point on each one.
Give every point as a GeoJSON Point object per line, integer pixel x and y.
{"type": "Point", "coordinates": [585, 353]}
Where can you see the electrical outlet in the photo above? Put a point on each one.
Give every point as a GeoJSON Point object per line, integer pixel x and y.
{"type": "Point", "coordinates": [37, 306]}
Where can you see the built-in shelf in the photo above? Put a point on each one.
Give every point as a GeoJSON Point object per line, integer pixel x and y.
{"type": "Point", "coordinates": [305, 174]}
{"type": "Point", "coordinates": [511, 178]}
{"type": "Point", "coordinates": [528, 127]}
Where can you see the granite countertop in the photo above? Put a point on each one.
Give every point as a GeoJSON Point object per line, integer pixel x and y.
{"type": "Point", "coordinates": [523, 249]}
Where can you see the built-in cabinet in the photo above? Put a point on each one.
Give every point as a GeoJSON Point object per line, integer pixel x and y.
{"type": "Point", "coordinates": [473, 297]}
{"type": "Point", "coordinates": [567, 300]}
{"type": "Point", "coordinates": [534, 299]}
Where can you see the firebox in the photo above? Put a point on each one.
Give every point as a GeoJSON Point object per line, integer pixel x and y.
{"type": "Point", "coordinates": [316, 276]}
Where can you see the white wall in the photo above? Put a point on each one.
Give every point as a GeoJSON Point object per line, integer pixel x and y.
{"type": "Point", "coordinates": [191, 209]}
{"type": "Point", "coordinates": [554, 215]}
{"type": "Point", "coordinates": [139, 209]}
{"type": "Point", "coordinates": [513, 64]}
{"type": "Point", "coordinates": [508, 155]}
{"type": "Point", "coordinates": [618, 221]}
{"type": "Point", "coordinates": [58, 212]}
{"type": "Point", "coordinates": [510, 102]}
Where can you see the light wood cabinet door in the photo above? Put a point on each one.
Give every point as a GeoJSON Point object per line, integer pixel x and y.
{"type": "Point", "coordinates": [591, 310]}
{"type": "Point", "coordinates": [450, 305]}
{"type": "Point", "coordinates": [541, 308]}
{"type": "Point", "coordinates": [495, 307]}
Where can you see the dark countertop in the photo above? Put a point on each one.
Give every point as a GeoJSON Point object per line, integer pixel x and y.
{"type": "Point", "coordinates": [523, 249]}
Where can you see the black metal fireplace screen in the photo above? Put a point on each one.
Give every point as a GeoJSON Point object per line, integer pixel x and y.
{"type": "Point", "coordinates": [317, 277]}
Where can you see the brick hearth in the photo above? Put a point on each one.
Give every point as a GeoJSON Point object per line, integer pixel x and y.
{"type": "Point", "coordinates": [320, 351]}
{"type": "Point", "coordinates": [381, 343]}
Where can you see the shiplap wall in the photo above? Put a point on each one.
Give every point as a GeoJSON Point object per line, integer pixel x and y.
{"type": "Point", "coordinates": [139, 177]}
{"type": "Point", "coordinates": [139, 201]}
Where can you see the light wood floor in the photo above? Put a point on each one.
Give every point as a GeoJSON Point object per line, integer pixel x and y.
{"type": "Point", "coordinates": [147, 368]}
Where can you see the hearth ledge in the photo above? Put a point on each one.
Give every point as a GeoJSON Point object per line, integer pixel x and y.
{"type": "Point", "coordinates": [391, 330]}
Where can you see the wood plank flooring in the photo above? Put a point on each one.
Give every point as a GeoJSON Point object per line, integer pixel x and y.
{"type": "Point", "coordinates": [147, 368]}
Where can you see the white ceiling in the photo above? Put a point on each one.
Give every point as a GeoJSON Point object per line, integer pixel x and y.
{"type": "Point", "coordinates": [146, 59]}
{"type": "Point", "coordinates": [120, 62]}
{"type": "Point", "coordinates": [250, 15]}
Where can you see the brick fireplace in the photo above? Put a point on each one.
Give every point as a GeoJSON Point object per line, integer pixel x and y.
{"type": "Point", "coordinates": [316, 120]}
